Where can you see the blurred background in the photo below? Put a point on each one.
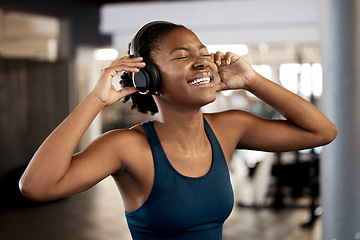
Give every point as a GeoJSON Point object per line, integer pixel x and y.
{"type": "Point", "coordinates": [51, 55]}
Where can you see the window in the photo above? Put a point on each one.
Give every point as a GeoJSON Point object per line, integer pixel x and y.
{"type": "Point", "coordinates": [303, 79]}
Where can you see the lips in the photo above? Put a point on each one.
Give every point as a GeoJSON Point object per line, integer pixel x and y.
{"type": "Point", "coordinates": [200, 79]}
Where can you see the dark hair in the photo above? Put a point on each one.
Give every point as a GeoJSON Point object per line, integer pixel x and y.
{"type": "Point", "coordinates": [149, 42]}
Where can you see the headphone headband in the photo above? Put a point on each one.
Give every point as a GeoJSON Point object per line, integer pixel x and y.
{"type": "Point", "coordinates": [135, 43]}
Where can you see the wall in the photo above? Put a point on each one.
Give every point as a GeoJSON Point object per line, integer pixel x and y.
{"type": "Point", "coordinates": [34, 99]}
{"type": "Point", "coordinates": [37, 93]}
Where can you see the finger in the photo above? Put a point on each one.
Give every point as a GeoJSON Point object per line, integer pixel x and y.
{"type": "Point", "coordinates": [128, 67]}
{"type": "Point", "coordinates": [227, 58]}
{"type": "Point", "coordinates": [126, 91]}
{"type": "Point", "coordinates": [126, 59]}
{"type": "Point", "coordinates": [218, 57]}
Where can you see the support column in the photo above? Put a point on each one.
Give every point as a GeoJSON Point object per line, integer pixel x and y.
{"type": "Point", "coordinates": [340, 163]}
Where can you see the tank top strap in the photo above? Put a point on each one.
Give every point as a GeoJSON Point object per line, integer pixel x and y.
{"type": "Point", "coordinates": [159, 156]}
{"type": "Point", "coordinates": [153, 139]}
{"type": "Point", "coordinates": [218, 154]}
{"type": "Point", "coordinates": [150, 132]}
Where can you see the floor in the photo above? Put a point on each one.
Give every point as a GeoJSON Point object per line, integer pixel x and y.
{"type": "Point", "coordinates": [98, 214]}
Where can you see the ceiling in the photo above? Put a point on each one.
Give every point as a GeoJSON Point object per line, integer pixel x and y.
{"type": "Point", "coordinates": [101, 2]}
{"type": "Point", "coordinates": [276, 28]}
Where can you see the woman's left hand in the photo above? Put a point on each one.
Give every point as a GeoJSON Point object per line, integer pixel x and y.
{"type": "Point", "coordinates": [234, 72]}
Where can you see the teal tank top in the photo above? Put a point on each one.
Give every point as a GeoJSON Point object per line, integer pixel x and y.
{"type": "Point", "coordinates": [180, 207]}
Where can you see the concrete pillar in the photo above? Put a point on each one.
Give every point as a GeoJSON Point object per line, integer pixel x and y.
{"type": "Point", "coordinates": [340, 163]}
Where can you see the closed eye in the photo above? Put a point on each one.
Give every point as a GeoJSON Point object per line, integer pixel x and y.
{"type": "Point", "coordinates": [181, 58]}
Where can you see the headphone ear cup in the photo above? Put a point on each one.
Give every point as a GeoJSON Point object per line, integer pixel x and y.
{"type": "Point", "coordinates": [141, 81]}
{"type": "Point", "coordinates": [155, 79]}
{"type": "Point", "coordinates": [147, 80]}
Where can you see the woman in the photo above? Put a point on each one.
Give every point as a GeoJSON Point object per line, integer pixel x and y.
{"type": "Point", "coordinates": [172, 172]}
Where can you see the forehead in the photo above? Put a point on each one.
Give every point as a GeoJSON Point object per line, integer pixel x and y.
{"type": "Point", "coordinates": [179, 38]}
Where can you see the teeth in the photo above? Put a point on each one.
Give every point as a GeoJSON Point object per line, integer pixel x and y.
{"type": "Point", "coordinates": [200, 81]}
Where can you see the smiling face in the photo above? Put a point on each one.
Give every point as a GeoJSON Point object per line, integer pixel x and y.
{"type": "Point", "coordinates": [187, 70]}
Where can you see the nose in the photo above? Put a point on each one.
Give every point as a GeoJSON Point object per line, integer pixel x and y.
{"type": "Point", "coordinates": [201, 62]}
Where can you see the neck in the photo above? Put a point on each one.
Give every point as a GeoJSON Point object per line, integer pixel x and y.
{"type": "Point", "coordinates": [183, 128]}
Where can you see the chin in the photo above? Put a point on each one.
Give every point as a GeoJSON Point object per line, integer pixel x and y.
{"type": "Point", "coordinates": [209, 100]}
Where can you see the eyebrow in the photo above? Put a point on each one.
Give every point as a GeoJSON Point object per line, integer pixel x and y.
{"type": "Point", "coordinates": [185, 49]}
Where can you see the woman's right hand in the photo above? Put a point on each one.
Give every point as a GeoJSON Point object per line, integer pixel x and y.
{"type": "Point", "coordinates": [234, 71]}
{"type": "Point", "coordinates": [105, 91]}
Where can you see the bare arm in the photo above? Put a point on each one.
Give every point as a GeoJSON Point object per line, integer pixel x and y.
{"type": "Point", "coordinates": [304, 125]}
{"type": "Point", "coordinates": [54, 171]}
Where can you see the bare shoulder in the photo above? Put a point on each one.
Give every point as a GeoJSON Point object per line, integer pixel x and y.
{"type": "Point", "coordinates": [129, 145]}
{"type": "Point", "coordinates": [230, 120]}
{"type": "Point", "coordinates": [229, 127]}
{"type": "Point", "coordinates": [134, 133]}
{"type": "Point", "coordinates": [125, 140]}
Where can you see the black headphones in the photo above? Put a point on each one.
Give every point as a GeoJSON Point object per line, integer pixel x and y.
{"type": "Point", "coordinates": [147, 80]}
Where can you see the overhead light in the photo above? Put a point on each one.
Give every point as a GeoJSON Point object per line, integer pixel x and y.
{"type": "Point", "coordinates": [239, 49]}
{"type": "Point", "coordinates": [106, 54]}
